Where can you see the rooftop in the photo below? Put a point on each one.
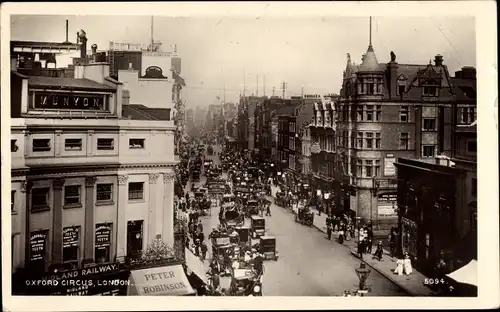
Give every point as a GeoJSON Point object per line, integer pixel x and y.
{"type": "Point", "coordinates": [67, 83]}
{"type": "Point", "coordinates": [370, 62]}
{"type": "Point", "coordinates": [141, 112]}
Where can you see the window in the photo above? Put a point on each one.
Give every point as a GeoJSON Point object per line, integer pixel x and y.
{"type": "Point", "coordinates": [359, 168]}
{"type": "Point", "coordinates": [103, 242]}
{"type": "Point", "coordinates": [468, 115]}
{"type": "Point", "coordinates": [71, 245]}
{"type": "Point", "coordinates": [404, 114]}
{"type": "Point", "coordinates": [429, 124]}
{"type": "Point", "coordinates": [135, 190]}
{"type": "Point", "coordinates": [371, 88]}
{"type": "Point", "coordinates": [359, 113]}
{"type": "Point", "coordinates": [369, 112]}
{"type": "Point", "coordinates": [404, 140]}
{"type": "Point", "coordinates": [368, 168]}
{"type": "Point", "coordinates": [428, 151]}
{"type": "Point", "coordinates": [41, 145]}
{"type": "Point", "coordinates": [136, 143]}
{"type": "Point", "coordinates": [401, 90]}
{"type": "Point", "coordinates": [377, 140]}
{"type": "Point", "coordinates": [378, 112]}
{"type": "Point", "coordinates": [13, 146]}
{"type": "Point", "coordinates": [73, 144]}
{"type": "Point", "coordinates": [104, 192]}
{"type": "Point", "coordinates": [474, 187]}
{"type": "Point", "coordinates": [39, 199]}
{"type": "Point", "coordinates": [12, 200]}
{"type": "Point", "coordinates": [376, 168]}
{"type": "Point", "coordinates": [105, 144]}
{"type": "Point", "coordinates": [360, 140]}
{"type": "Point", "coordinates": [430, 91]}
{"type": "Point", "coordinates": [72, 195]}
{"type": "Point", "coordinates": [369, 140]}
{"type": "Point", "coordinates": [472, 146]}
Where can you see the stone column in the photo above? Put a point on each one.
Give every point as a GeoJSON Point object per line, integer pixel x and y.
{"type": "Point", "coordinates": [152, 207]}
{"type": "Point", "coordinates": [89, 218]}
{"type": "Point", "coordinates": [57, 221]}
{"type": "Point", "coordinates": [121, 227]}
{"type": "Point", "coordinates": [25, 189]}
{"type": "Point", "coordinates": [168, 208]}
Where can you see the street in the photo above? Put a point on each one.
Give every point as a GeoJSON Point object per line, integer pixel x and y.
{"type": "Point", "coordinates": [308, 264]}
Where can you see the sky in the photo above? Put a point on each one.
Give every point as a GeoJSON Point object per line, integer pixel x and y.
{"type": "Point", "coordinates": [308, 53]}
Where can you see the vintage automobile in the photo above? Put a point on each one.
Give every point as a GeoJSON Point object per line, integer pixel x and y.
{"type": "Point", "coordinates": [257, 226]}
{"type": "Point", "coordinates": [280, 199]}
{"type": "Point", "coordinates": [304, 216]}
{"type": "Point", "coordinates": [245, 282]}
{"type": "Point", "coordinates": [227, 188]}
{"type": "Point", "coordinates": [268, 247]}
{"type": "Point", "coordinates": [196, 175]}
{"type": "Point", "coordinates": [210, 150]}
{"type": "Point", "coordinates": [228, 200]}
{"type": "Point", "coordinates": [244, 233]}
{"type": "Point", "coordinates": [251, 207]}
{"type": "Point", "coordinates": [234, 217]}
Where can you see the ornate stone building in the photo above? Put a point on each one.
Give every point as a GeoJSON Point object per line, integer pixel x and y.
{"type": "Point", "coordinates": [92, 177]}
{"type": "Point", "coordinates": [388, 111]}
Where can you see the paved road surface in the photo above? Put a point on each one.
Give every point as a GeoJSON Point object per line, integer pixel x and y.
{"type": "Point", "coordinates": [309, 264]}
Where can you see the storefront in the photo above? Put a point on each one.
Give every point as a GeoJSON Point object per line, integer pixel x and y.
{"type": "Point", "coordinates": [160, 281]}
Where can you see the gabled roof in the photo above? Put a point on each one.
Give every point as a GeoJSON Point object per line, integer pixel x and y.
{"type": "Point", "coordinates": [67, 83]}
{"type": "Point", "coordinates": [141, 112]}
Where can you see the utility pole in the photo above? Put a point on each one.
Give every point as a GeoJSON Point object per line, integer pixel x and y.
{"type": "Point", "coordinates": [257, 93]}
{"type": "Point", "coordinates": [264, 85]}
{"type": "Point", "coordinates": [283, 88]}
{"type": "Point", "coordinates": [244, 80]}
{"type": "Point", "coordinates": [274, 90]}
{"type": "Point", "coordinates": [302, 92]}
{"type": "Point", "coordinates": [152, 28]}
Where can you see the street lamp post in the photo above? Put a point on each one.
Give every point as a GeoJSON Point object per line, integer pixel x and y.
{"type": "Point", "coordinates": [362, 273]}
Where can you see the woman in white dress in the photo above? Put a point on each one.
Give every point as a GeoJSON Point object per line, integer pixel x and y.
{"type": "Point", "coordinates": [407, 265]}
{"type": "Point", "coordinates": [399, 267]}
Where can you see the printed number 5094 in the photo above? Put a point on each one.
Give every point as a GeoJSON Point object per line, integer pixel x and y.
{"type": "Point", "coordinates": [433, 281]}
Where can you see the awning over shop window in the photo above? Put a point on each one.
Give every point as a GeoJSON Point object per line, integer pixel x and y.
{"type": "Point", "coordinates": [466, 274]}
{"type": "Point", "coordinates": [161, 281]}
{"type": "Point", "coordinates": [195, 265]}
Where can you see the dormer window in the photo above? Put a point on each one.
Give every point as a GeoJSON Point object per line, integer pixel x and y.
{"type": "Point", "coordinates": [430, 91]}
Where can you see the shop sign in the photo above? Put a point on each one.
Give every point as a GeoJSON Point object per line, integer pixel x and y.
{"type": "Point", "coordinates": [71, 236]}
{"type": "Point", "coordinates": [103, 235]}
{"type": "Point", "coordinates": [222, 241]}
{"type": "Point", "coordinates": [45, 100]}
{"type": "Point", "coordinates": [388, 197]}
{"type": "Point", "coordinates": [389, 168]}
{"type": "Point", "coordinates": [90, 272]}
{"type": "Point", "coordinates": [38, 241]}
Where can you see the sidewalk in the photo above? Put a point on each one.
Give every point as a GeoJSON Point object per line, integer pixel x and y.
{"type": "Point", "coordinates": [412, 284]}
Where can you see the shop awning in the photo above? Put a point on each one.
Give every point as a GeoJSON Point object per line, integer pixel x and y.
{"type": "Point", "coordinates": [161, 281]}
{"type": "Point", "coordinates": [195, 265]}
{"type": "Point", "coordinates": [466, 274]}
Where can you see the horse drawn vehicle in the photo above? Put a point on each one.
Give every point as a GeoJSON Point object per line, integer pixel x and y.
{"type": "Point", "coordinates": [304, 216]}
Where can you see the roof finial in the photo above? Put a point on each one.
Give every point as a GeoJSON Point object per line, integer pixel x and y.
{"type": "Point", "coordinates": [370, 43]}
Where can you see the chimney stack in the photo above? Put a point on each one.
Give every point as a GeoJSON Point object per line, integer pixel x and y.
{"type": "Point", "coordinates": [438, 60]}
{"type": "Point", "coordinates": [82, 37]}
{"type": "Point", "coordinates": [94, 52]}
{"type": "Point", "coordinates": [67, 23]}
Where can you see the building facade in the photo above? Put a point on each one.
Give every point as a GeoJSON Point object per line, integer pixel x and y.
{"type": "Point", "coordinates": [385, 112]}
{"type": "Point", "coordinates": [437, 212]}
{"type": "Point", "coordinates": [323, 147]}
{"type": "Point", "coordinates": [92, 178]}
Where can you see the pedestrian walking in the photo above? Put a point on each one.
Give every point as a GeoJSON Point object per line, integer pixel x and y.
{"type": "Point", "coordinates": [268, 210]}
{"type": "Point", "coordinates": [379, 252]}
{"type": "Point", "coordinates": [204, 250]}
{"type": "Point", "coordinates": [329, 231]}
